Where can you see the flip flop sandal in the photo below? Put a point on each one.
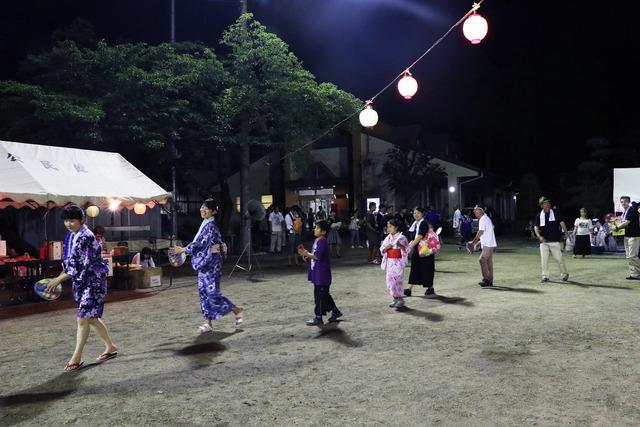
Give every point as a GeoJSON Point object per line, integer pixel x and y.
{"type": "Point", "coordinates": [240, 318]}
{"type": "Point", "coordinates": [106, 356]}
{"type": "Point", "coordinates": [69, 367]}
{"type": "Point", "coordinates": [204, 329]}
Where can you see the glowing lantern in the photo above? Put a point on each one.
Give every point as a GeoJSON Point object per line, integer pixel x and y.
{"type": "Point", "coordinates": [114, 204]}
{"type": "Point", "coordinates": [475, 28]}
{"type": "Point", "coordinates": [407, 86]}
{"type": "Point", "coordinates": [93, 211]}
{"type": "Point", "coordinates": [140, 208]}
{"type": "Point", "coordinates": [368, 116]}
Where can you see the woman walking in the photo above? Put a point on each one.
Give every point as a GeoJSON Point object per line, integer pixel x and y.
{"type": "Point", "coordinates": [354, 228]}
{"type": "Point", "coordinates": [582, 232]}
{"type": "Point", "coordinates": [422, 268]}
{"type": "Point", "coordinates": [333, 239]}
{"type": "Point", "coordinates": [206, 259]}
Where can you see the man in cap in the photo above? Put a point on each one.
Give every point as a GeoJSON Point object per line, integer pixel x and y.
{"type": "Point", "coordinates": [487, 238]}
{"type": "Point", "coordinates": [550, 230]}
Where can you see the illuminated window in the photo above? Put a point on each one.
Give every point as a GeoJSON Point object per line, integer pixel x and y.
{"type": "Point", "coordinates": [267, 200]}
{"type": "Point", "coordinates": [238, 207]}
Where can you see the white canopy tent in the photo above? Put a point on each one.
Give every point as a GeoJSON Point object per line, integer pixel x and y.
{"type": "Point", "coordinates": [626, 182]}
{"type": "Point", "coordinates": [39, 175]}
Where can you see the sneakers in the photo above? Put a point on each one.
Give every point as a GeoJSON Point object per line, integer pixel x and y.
{"type": "Point", "coordinates": [544, 280]}
{"type": "Point", "coordinates": [565, 277]}
{"type": "Point", "coordinates": [486, 284]}
{"type": "Point", "coordinates": [375, 261]}
{"type": "Point", "coordinates": [393, 303]}
{"type": "Point", "coordinates": [430, 293]}
{"type": "Point", "coordinates": [407, 292]}
{"type": "Point", "coordinates": [399, 304]}
{"type": "Point", "coordinates": [315, 321]}
{"type": "Point", "coordinates": [632, 278]}
{"type": "Point", "coordinates": [353, 247]}
{"type": "Point", "coordinates": [334, 316]}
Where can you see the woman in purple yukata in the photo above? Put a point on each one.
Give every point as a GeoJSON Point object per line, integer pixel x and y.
{"type": "Point", "coordinates": [394, 250]}
{"type": "Point", "coordinates": [320, 275]}
{"type": "Point", "coordinates": [206, 259]}
{"type": "Point", "coordinates": [88, 273]}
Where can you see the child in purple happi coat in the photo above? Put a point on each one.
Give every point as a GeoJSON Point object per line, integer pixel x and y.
{"type": "Point", "coordinates": [320, 275]}
{"type": "Point", "coordinates": [88, 272]}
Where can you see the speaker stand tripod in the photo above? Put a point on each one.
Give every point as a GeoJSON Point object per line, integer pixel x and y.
{"type": "Point", "coordinates": [251, 260]}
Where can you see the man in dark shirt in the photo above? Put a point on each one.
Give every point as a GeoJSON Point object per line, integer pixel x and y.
{"type": "Point", "coordinates": [551, 231]}
{"type": "Point", "coordinates": [373, 234]}
{"type": "Point", "coordinates": [630, 222]}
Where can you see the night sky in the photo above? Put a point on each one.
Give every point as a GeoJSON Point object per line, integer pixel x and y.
{"type": "Point", "coordinates": [548, 76]}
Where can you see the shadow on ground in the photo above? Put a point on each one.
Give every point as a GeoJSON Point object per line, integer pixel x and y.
{"type": "Point", "coordinates": [433, 317]}
{"type": "Point", "coordinates": [450, 300]}
{"type": "Point", "coordinates": [333, 332]}
{"type": "Point", "coordinates": [522, 290]}
{"type": "Point", "coordinates": [41, 396]}
{"type": "Point", "coordinates": [588, 285]}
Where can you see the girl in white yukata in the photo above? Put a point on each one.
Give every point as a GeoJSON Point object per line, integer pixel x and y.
{"type": "Point", "coordinates": [394, 250]}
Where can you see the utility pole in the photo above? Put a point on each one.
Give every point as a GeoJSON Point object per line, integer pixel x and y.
{"type": "Point", "coordinates": [174, 189]}
{"type": "Point", "coordinates": [245, 168]}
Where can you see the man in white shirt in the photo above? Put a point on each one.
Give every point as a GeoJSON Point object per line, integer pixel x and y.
{"type": "Point", "coordinates": [487, 238]}
{"type": "Point", "coordinates": [276, 219]}
{"type": "Point", "coordinates": [457, 216]}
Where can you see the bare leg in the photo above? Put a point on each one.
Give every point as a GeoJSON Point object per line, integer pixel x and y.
{"type": "Point", "coordinates": [81, 340]}
{"type": "Point", "coordinates": [102, 331]}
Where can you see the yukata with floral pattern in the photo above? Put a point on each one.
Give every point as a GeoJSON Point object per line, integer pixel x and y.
{"type": "Point", "coordinates": [88, 271]}
{"type": "Point", "coordinates": [395, 266]}
{"type": "Point", "coordinates": [214, 305]}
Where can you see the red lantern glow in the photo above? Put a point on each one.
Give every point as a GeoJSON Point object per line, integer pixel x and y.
{"type": "Point", "coordinates": [475, 28]}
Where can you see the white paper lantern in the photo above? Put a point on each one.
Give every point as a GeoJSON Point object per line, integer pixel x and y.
{"type": "Point", "coordinates": [475, 28]}
{"type": "Point", "coordinates": [407, 85]}
{"type": "Point", "coordinates": [368, 116]}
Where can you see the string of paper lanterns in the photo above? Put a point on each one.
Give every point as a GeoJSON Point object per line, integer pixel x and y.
{"type": "Point", "coordinates": [93, 211]}
{"type": "Point", "coordinates": [475, 29]}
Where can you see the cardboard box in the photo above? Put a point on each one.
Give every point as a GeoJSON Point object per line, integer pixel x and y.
{"type": "Point", "coordinates": [3, 248]}
{"type": "Point", "coordinates": [55, 250]}
{"type": "Point", "coordinates": [152, 277]}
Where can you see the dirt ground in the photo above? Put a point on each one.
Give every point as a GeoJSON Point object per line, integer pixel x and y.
{"type": "Point", "coordinates": [524, 353]}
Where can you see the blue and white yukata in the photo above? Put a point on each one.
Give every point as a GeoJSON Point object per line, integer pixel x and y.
{"type": "Point", "coordinates": [214, 305]}
{"type": "Point", "coordinates": [88, 271]}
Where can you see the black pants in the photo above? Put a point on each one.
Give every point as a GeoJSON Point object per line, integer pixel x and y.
{"type": "Point", "coordinates": [324, 300]}
{"type": "Point", "coordinates": [422, 270]}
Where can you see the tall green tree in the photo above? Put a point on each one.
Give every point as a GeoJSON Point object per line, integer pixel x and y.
{"type": "Point", "coordinates": [273, 101]}
{"type": "Point", "coordinates": [150, 103]}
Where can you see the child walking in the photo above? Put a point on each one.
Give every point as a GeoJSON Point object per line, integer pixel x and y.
{"type": "Point", "coordinates": [88, 273]}
{"type": "Point", "coordinates": [320, 275]}
{"type": "Point", "coordinates": [394, 250]}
